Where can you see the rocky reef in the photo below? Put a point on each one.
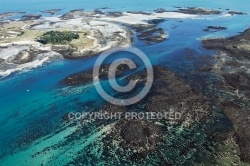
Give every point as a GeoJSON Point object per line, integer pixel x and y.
{"type": "Point", "coordinates": [149, 33]}
{"type": "Point", "coordinates": [197, 11]}
{"type": "Point", "coordinates": [206, 122]}
{"type": "Point", "coordinates": [138, 141]}
{"type": "Point", "coordinates": [233, 66]}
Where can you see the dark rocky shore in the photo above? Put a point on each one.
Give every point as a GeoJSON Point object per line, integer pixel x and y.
{"type": "Point", "coordinates": [30, 17]}
{"type": "Point", "coordinates": [9, 14]}
{"type": "Point", "coordinates": [233, 65]}
{"type": "Point", "coordinates": [142, 140]}
{"type": "Point", "coordinates": [235, 47]}
{"type": "Point", "coordinates": [200, 130]}
{"type": "Point", "coordinates": [86, 77]}
{"type": "Point", "coordinates": [154, 35]}
{"type": "Point", "coordinates": [138, 138]}
{"type": "Point", "coordinates": [190, 10]}
{"type": "Point", "coordinates": [198, 11]}
{"type": "Point", "coordinates": [205, 121]}
{"type": "Point", "coordinates": [150, 33]}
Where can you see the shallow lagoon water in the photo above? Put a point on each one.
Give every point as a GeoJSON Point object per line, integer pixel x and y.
{"type": "Point", "coordinates": [34, 102]}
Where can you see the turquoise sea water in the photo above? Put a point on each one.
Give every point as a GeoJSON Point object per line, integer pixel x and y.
{"type": "Point", "coordinates": [33, 103]}
{"type": "Point", "coordinates": [144, 5]}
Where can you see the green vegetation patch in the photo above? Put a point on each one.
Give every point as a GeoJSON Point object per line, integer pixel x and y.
{"type": "Point", "coordinates": [58, 37]}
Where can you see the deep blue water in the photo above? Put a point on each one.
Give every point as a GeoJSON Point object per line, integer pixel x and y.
{"type": "Point", "coordinates": [43, 105]}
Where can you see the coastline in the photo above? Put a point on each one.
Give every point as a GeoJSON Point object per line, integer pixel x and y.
{"type": "Point", "coordinates": [104, 31]}
{"type": "Point", "coordinates": [232, 64]}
